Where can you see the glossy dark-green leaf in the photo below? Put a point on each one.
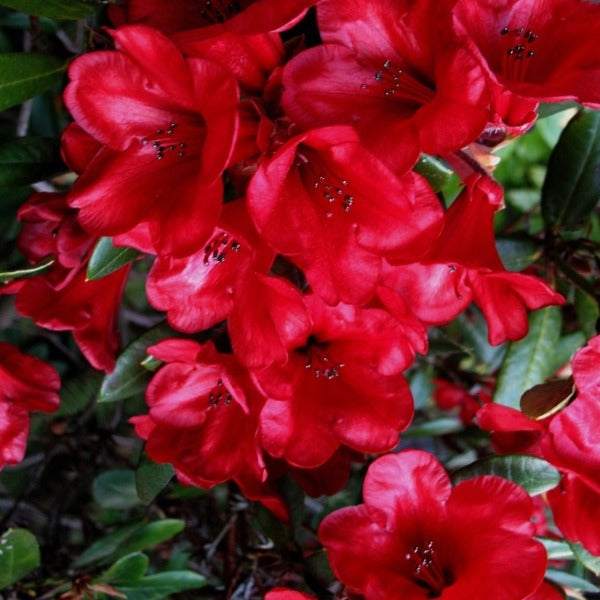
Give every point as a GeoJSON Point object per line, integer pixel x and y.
{"type": "Point", "coordinates": [162, 585]}
{"type": "Point", "coordinates": [29, 159]}
{"type": "Point", "coordinates": [106, 258]}
{"type": "Point", "coordinates": [129, 569]}
{"type": "Point", "coordinates": [55, 9]}
{"type": "Point", "coordinates": [129, 377]}
{"type": "Point", "coordinates": [533, 474]}
{"type": "Point", "coordinates": [152, 534]}
{"type": "Point", "coordinates": [517, 253]}
{"type": "Point", "coordinates": [530, 360]}
{"type": "Point", "coordinates": [437, 173]}
{"type": "Point", "coordinates": [116, 489]}
{"type": "Point", "coordinates": [19, 554]}
{"type": "Point", "coordinates": [151, 478]}
{"type": "Point", "coordinates": [589, 561]}
{"type": "Point", "coordinates": [572, 186]}
{"type": "Point", "coordinates": [25, 75]}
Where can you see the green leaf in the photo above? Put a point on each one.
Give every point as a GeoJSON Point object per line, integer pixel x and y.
{"type": "Point", "coordinates": [293, 497]}
{"type": "Point", "coordinates": [317, 570]}
{"type": "Point", "coordinates": [517, 253]}
{"type": "Point", "coordinates": [524, 199]}
{"type": "Point", "coordinates": [437, 172]}
{"type": "Point", "coordinates": [107, 546]}
{"type": "Point", "coordinates": [530, 360]}
{"type": "Point", "coordinates": [556, 549]}
{"type": "Point", "coordinates": [475, 332]}
{"type": "Point", "coordinates": [566, 347]}
{"type": "Point", "coordinates": [24, 75]}
{"type": "Point", "coordinates": [115, 489]}
{"type": "Point", "coordinates": [589, 561]}
{"type": "Point", "coordinates": [572, 186]}
{"type": "Point", "coordinates": [129, 376]}
{"type": "Point", "coordinates": [107, 258]}
{"type": "Point", "coordinates": [29, 159]}
{"type": "Point", "coordinates": [55, 9]}
{"type": "Point", "coordinates": [421, 386]}
{"type": "Point", "coordinates": [588, 312]}
{"type": "Point", "coordinates": [128, 569]}
{"type": "Point", "coordinates": [441, 426]}
{"type": "Point", "coordinates": [41, 267]}
{"type": "Point", "coordinates": [77, 392]}
{"type": "Point", "coordinates": [571, 581]}
{"type": "Point", "coordinates": [154, 587]}
{"type": "Point", "coordinates": [534, 474]}
{"type": "Point", "coordinates": [129, 539]}
{"type": "Point", "coordinates": [151, 534]}
{"type": "Point", "coordinates": [19, 554]}
{"type": "Point", "coordinates": [151, 478]}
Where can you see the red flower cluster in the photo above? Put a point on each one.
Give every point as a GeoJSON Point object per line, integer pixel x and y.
{"type": "Point", "coordinates": [27, 384]}
{"type": "Point", "coordinates": [272, 186]}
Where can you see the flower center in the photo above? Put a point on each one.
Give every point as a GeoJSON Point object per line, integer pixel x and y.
{"type": "Point", "coordinates": [218, 395]}
{"type": "Point", "coordinates": [216, 250]}
{"type": "Point", "coordinates": [329, 191]}
{"type": "Point", "coordinates": [319, 363]}
{"type": "Point", "coordinates": [398, 84]}
{"type": "Point", "coordinates": [517, 51]}
{"type": "Point", "coordinates": [426, 568]}
{"type": "Point", "coordinates": [168, 142]}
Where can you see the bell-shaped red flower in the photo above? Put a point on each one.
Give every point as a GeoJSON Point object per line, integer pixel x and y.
{"type": "Point", "coordinates": [334, 209]}
{"type": "Point", "coordinates": [63, 298]}
{"type": "Point", "coordinates": [463, 264]}
{"type": "Point", "coordinates": [343, 386]}
{"type": "Point", "coordinates": [416, 537]}
{"type": "Point", "coordinates": [534, 51]}
{"type": "Point", "coordinates": [241, 16]}
{"type": "Point", "coordinates": [167, 127]}
{"type": "Point", "coordinates": [27, 384]}
{"type": "Point", "coordinates": [203, 414]}
{"type": "Point", "coordinates": [395, 73]}
{"type": "Point", "coordinates": [228, 279]}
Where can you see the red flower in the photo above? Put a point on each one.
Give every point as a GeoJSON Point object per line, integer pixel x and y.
{"type": "Point", "coordinates": [343, 387]}
{"type": "Point", "coordinates": [450, 396]}
{"type": "Point", "coordinates": [463, 264]}
{"type": "Point", "coordinates": [198, 403]}
{"type": "Point", "coordinates": [155, 113]}
{"type": "Point", "coordinates": [534, 51]}
{"type": "Point", "coordinates": [227, 280]}
{"type": "Point", "coordinates": [335, 209]}
{"type": "Point", "coordinates": [512, 431]}
{"type": "Point", "coordinates": [415, 537]}
{"type": "Point", "coordinates": [242, 16]}
{"type": "Point", "coordinates": [27, 384]}
{"type": "Point", "coordinates": [394, 72]}
{"type": "Point", "coordinates": [63, 299]}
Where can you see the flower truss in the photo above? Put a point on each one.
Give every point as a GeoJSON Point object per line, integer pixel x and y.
{"type": "Point", "coordinates": [270, 186]}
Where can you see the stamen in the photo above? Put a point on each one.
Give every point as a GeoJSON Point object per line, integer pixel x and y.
{"type": "Point", "coordinates": [398, 83]}
{"type": "Point", "coordinates": [321, 365]}
{"type": "Point", "coordinates": [322, 183]}
{"type": "Point", "coordinates": [518, 53]}
{"type": "Point", "coordinates": [426, 567]}
{"type": "Point", "coordinates": [216, 250]}
{"type": "Point", "coordinates": [218, 395]}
